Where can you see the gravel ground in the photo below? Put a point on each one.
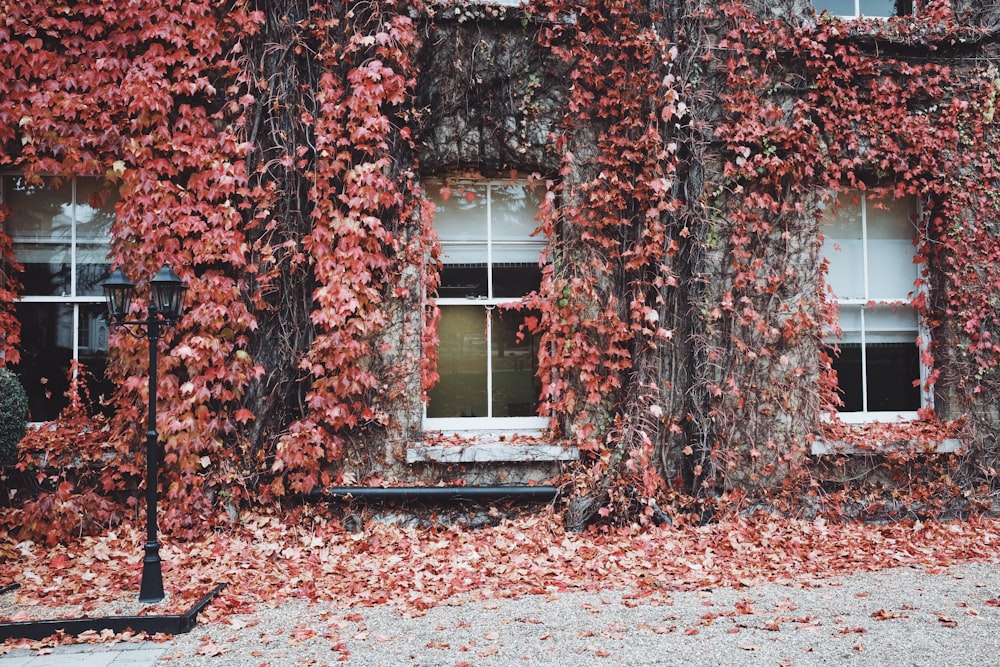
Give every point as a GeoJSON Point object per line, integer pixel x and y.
{"type": "Point", "coordinates": [894, 617]}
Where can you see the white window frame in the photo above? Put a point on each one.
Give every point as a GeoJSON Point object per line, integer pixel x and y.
{"type": "Point", "coordinates": [921, 334]}
{"type": "Point", "coordinates": [488, 424]}
{"type": "Point", "coordinates": [96, 331]}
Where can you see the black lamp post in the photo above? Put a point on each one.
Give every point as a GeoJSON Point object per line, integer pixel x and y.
{"type": "Point", "coordinates": [166, 301]}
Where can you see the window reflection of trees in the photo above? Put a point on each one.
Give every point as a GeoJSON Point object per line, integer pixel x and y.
{"type": "Point", "coordinates": [61, 232]}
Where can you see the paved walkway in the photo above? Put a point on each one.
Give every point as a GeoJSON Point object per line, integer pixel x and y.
{"type": "Point", "coordinates": [906, 617]}
{"type": "Point", "coordinates": [141, 654]}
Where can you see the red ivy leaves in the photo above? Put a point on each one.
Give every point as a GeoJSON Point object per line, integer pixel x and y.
{"type": "Point", "coordinates": [128, 94]}
{"type": "Point", "coordinates": [624, 86]}
{"type": "Point", "coordinates": [367, 228]}
{"type": "Point", "coordinates": [10, 326]}
{"type": "Point", "coordinates": [270, 558]}
{"type": "Point", "coordinates": [155, 99]}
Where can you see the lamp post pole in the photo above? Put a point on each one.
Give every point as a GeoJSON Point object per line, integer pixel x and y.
{"type": "Point", "coordinates": [151, 588]}
{"type": "Point", "coordinates": [165, 305]}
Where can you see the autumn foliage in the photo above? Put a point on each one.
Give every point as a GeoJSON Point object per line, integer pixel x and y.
{"type": "Point", "coordinates": [269, 559]}
{"type": "Point", "coordinates": [271, 153]}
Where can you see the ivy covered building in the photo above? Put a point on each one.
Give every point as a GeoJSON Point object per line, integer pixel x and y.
{"type": "Point", "coordinates": [662, 247]}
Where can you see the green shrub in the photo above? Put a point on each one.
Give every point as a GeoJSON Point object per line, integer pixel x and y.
{"type": "Point", "coordinates": [13, 415]}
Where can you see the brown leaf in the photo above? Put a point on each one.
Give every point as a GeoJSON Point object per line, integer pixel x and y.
{"type": "Point", "coordinates": [947, 621]}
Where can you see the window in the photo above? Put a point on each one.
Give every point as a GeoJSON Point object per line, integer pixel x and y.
{"type": "Point", "coordinates": [866, 8]}
{"type": "Point", "coordinates": [486, 359]}
{"type": "Point", "coordinates": [61, 236]}
{"type": "Point", "coordinates": [869, 246]}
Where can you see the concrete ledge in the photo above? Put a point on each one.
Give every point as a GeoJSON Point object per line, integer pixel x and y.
{"type": "Point", "coordinates": [826, 448]}
{"type": "Point", "coordinates": [490, 451]}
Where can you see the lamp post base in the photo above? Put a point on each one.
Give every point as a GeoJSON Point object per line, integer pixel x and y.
{"type": "Point", "coordinates": [151, 588]}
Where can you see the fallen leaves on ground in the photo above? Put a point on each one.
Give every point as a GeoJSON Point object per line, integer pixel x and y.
{"type": "Point", "coordinates": [270, 558]}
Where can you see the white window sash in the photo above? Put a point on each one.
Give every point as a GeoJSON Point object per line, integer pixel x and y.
{"type": "Point", "coordinates": [863, 332]}
{"type": "Point", "coordinates": [858, 11]}
{"type": "Point", "coordinates": [474, 251]}
{"type": "Point", "coordinates": [76, 250]}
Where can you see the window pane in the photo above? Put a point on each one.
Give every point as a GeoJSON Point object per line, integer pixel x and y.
{"type": "Point", "coordinates": [92, 346]}
{"type": "Point", "coordinates": [463, 252]}
{"type": "Point", "coordinates": [515, 360]}
{"type": "Point", "coordinates": [92, 269]}
{"type": "Point", "coordinates": [513, 209]}
{"type": "Point", "coordinates": [516, 280]}
{"type": "Point", "coordinates": [890, 218]}
{"type": "Point", "coordinates": [849, 319]}
{"type": "Point", "coordinates": [843, 220]}
{"type": "Point", "coordinates": [463, 281]}
{"type": "Point", "coordinates": [847, 364]}
{"type": "Point", "coordinates": [462, 364]}
{"type": "Point", "coordinates": [462, 216]}
{"type": "Point", "coordinates": [47, 268]}
{"type": "Point", "coordinates": [38, 212]}
{"type": "Point", "coordinates": [525, 252]}
{"type": "Point", "coordinates": [843, 247]}
{"type": "Point", "coordinates": [892, 369]}
{"type": "Point", "coordinates": [891, 233]}
{"type": "Point", "coordinates": [836, 7]}
{"type": "Point", "coordinates": [891, 271]}
{"type": "Point", "coordinates": [878, 8]}
{"type": "Point", "coordinates": [889, 324]}
{"type": "Point", "coordinates": [93, 223]}
{"type": "Point", "coordinates": [92, 332]}
{"type": "Point", "coordinates": [845, 273]}
{"type": "Point", "coordinates": [882, 324]}
{"type": "Point", "coordinates": [46, 350]}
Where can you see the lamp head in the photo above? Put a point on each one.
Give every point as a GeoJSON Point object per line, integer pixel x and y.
{"type": "Point", "coordinates": [118, 293]}
{"type": "Point", "coordinates": [167, 293]}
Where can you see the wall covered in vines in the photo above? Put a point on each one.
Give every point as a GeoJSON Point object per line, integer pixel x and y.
{"type": "Point", "coordinates": [273, 152]}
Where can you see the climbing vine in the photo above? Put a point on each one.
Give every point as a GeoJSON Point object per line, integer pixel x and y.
{"type": "Point", "coordinates": [898, 118]}
{"type": "Point", "coordinates": [346, 224]}
{"type": "Point", "coordinates": [609, 295]}
{"type": "Point", "coordinates": [172, 106]}
{"type": "Point", "coordinates": [271, 152]}
{"type": "Point", "coordinates": [777, 118]}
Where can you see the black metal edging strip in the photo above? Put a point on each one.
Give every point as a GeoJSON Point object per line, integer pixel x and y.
{"type": "Point", "coordinates": [436, 493]}
{"type": "Point", "coordinates": [171, 624]}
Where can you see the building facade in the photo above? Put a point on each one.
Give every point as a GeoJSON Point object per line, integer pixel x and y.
{"type": "Point", "coordinates": [668, 243]}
